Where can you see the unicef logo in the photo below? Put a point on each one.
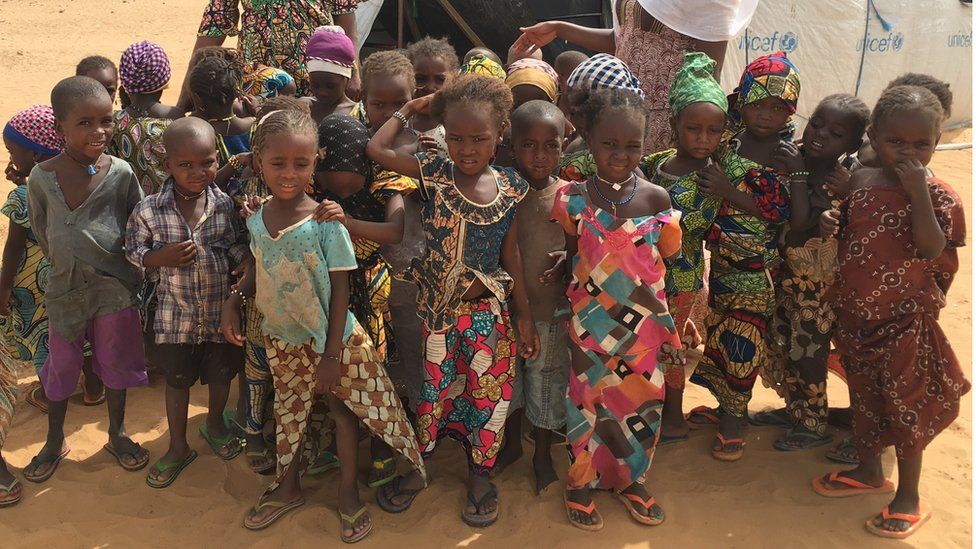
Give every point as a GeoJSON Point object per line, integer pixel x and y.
{"type": "Point", "coordinates": [897, 41]}
{"type": "Point", "coordinates": [893, 41]}
{"type": "Point", "coordinates": [768, 43]}
{"type": "Point", "coordinates": [788, 42]}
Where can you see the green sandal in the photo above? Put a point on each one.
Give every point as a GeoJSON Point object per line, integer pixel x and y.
{"type": "Point", "coordinates": [351, 520]}
{"type": "Point", "coordinates": [326, 462]}
{"type": "Point", "coordinates": [222, 446]}
{"type": "Point", "coordinates": [159, 468]}
{"type": "Point", "coordinates": [386, 467]}
{"type": "Point", "coordinates": [230, 421]}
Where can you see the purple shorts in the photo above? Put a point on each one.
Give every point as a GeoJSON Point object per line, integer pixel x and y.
{"type": "Point", "coordinates": [117, 355]}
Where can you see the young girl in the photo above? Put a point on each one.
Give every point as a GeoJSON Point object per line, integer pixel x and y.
{"type": "Point", "coordinates": [897, 233]}
{"type": "Point", "coordinates": [267, 82]}
{"type": "Point", "coordinates": [619, 228]}
{"type": "Point", "coordinates": [434, 64]}
{"type": "Point", "coordinates": [388, 84]}
{"type": "Point", "coordinates": [470, 269]}
{"type": "Point", "coordinates": [330, 57]}
{"type": "Point", "coordinates": [315, 346]}
{"type": "Point", "coordinates": [742, 243]}
{"type": "Point", "coordinates": [214, 87]}
{"type": "Point", "coordinates": [800, 332]}
{"type": "Point", "coordinates": [102, 70]}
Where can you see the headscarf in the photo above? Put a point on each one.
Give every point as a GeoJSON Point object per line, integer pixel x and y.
{"type": "Point", "coordinates": [533, 72]}
{"type": "Point", "coordinates": [144, 68]}
{"type": "Point", "coordinates": [771, 75]}
{"type": "Point", "coordinates": [266, 81]}
{"type": "Point", "coordinates": [479, 64]}
{"type": "Point", "coordinates": [694, 83]}
{"type": "Point", "coordinates": [603, 71]}
{"type": "Point", "coordinates": [33, 129]}
{"type": "Point", "coordinates": [344, 140]}
{"type": "Point", "coordinates": [330, 50]}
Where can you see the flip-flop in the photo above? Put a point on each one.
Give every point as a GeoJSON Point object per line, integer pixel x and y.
{"type": "Point", "coordinates": [230, 422]}
{"type": "Point", "coordinates": [271, 460]}
{"type": "Point", "coordinates": [559, 438]}
{"type": "Point", "coordinates": [143, 461]}
{"type": "Point", "coordinates": [91, 400]}
{"type": "Point", "coordinates": [385, 501]}
{"type": "Point", "coordinates": [813, 440]}
{"type": "Point", "coordinates": [351, 520]}
{"type": "Point", "coordinates": [218, 445]}
{"type": "Point", "coordinates": [476, 520]}
{"type": "Point", "coordinates": [856, 488]}
{"type": "Point", "coordinates": [585, 509]}
{"type": "Point", "coordinates": [665, 440]}
{"type": "Point", "coordinates": [35, 401]}
{"type": "Point", "coordinates": [160, 467]}
{"type": "Point", "coordinates": [327, 461]}
{"type": "Point", "coordinates": [280, 509]}
{"type": "Point", "coordinates": [845, 452]}
{"type": "Point", "coordinates": [629, 500]}
{"type": "Point", "coordinates": [379, 466]}
{"type": "Point", "coordinates": [52, 466]}
{"type": "Point", "coordinates": [915, 520]}
{"type": "Point", "coordinates": [11, 493]}
{"type": "Point", "coordinates": [771, 418]}
{"type": "Point", "coordinates": [722, 454]}
{"type": "Point", "coordinates": [703, 415]}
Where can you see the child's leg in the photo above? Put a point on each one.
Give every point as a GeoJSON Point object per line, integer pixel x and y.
{"type": "Point", "coordinates": [545, 380]}
{"type": "Point", "coordinates": [674, 360]}
{"type": "Point", "coordinates": [221, 364]}
{"type": "Point", "coordinates": [906, 499]}
{"type": "Point", "coordinates": [347, 444]}
{"type": "Point", "coordinates": [512, 445]}
{"type": "Point", "coordinates": [174, 360]}
{"type": "Point", "coordinates": [257, 373]}
{"type": "Point", "coordinates": [93, 384]}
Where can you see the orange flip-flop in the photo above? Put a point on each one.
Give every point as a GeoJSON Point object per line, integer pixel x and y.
{"type": "Point", "coordinates": [630, 500]}
{"type": "Point", "coordinates": [586, 509]}
{"type": "Point", "coordinates": [856, 488]}
{"type": "Point", "coordinates": [916, 521]}
{"type": "Point", "coordinates": [722, 454]}
{"type": "Point", "coordinates": [702, 415]}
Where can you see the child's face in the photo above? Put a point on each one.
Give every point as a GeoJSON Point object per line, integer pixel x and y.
{"type": "Point", "coordinates": [343, 184]}
{"type": "Point", "coordinates": [431, 74]}
{"type": "Point", "coordinates": [287, 163]}
{"type": "Point", "coordinates": [387, 94]}
{"type": "Point", "coordinates": [912, 137]}
{"type": "Point", "coordinates": [327, 87]}
{"type": "Point", "coordinates": [193, 163]}
{"type": "Point", "coordinates": [523, 93]}
{"type": "Point", "coordinates": [537, 149]}
{"type": "Point", "coordinates": [88, 126]}
{"type": "Point", "coordinates": [766, 117]}
{"type": "Point", "coordinates": [22, 159]}
{"type": "Point", "coordinates": [616, 142]}
{"type": "Point", "coordinates": [472, 136]}
{"type": "Point", "coordinates": [699, 127]}
{"type": "Point", "coordinates": [830, 133]}
{"type": "Point", "coordinates": [108, 78]}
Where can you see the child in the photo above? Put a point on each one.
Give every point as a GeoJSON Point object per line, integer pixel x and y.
{"type": "Point", "coordinates": [388, 83]}
{"type": "Point", "coordinates": [214, 86]}
{"type": "Point", "coordinates": [138, 137]}
{"type": "Point", "coordinates": [191, 234]}
{"type": "Point", "coordinates": [742, 244]}
{"type": "Point", "coordinates": [479, 64]}
{"type": "Point", "coordinates": [231, 55]}
{"type": "Point", "coordinates": [540, 385]}
{"type": "Point", "coordinates": [698, 110]}
{"type": "Point", "coordinates": [484, 52]}
{"type": "Point", "coordinates": [78, 205]}
{"type": "Point", "coordinates": [528, 79]}
{"type": "Point", "coordinates": [267, 82]}
{"type": "Point", "coordinates": [315, 346]}
{"type": "Point", "coordinates": [434, 64]}
{"type": "Point", "coordinates": [565, 63]}
{"type": "Point", "coordinates": [897, 233]}
{"type": "Point", "coordinates": [800, 332]}
{"type": "Point", "coordinates": [470, 268]}
{"type": "Point", "coordinates": [330, 57]}
{"type": "Point", "coordinates": [102, 70]}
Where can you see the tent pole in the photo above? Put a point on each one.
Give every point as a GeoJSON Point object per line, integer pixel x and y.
{"type": "Point", "coordinates": [400, 6]}
{"type": "Point", "coordinates": [446, 4]}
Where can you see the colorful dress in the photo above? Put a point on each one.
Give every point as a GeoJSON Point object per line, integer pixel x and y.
{"type": "Point", "coordinates": [8, 395]}
{"type": "Point", "coordinates": [905, 381]}
{"type": "Point", "coordinates": [743, 267]}
{"type": "Point", "coordinates": [684, 282]}
{"type": "Point", "coordinates": [273, 32]}
{"type": "Point", "coordinates": [620, 320]}
{"type": "Point", "coordinates": [139, 141]}
{"type": "Point", "coordinates": [469, 345]}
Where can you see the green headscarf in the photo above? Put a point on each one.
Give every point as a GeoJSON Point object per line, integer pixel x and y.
{"type": "Point", "coordinates": [694, 83]}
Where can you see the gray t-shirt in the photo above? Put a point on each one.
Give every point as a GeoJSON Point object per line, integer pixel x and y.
{"type": "Point", "coordinates": [90, 275]}
{"type": "Point", "coordinates": [537, 236]}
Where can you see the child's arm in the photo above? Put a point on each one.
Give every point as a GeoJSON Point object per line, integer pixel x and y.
{"type": "Point", "coordinates": [787, 156]}
{"type": "Point", "coordinates": [230, 313]}
{"type": "Point", "coordinates": [238, 164]}
{"type": "Point", "coordinates": [139, 243]}
{"type": "Point", "coordinates": [389, 231]}
{"type": "Point", "coordinates": [712, 180]}
{"type": "Point", "coordinates": [926, 232]}
{"type": "Point", "coordinates": [13, 253]}
{"type": "Point", "coordinates": [329, 369]}
{"type": "Point", "coordinates": [528, 338]}
{"type": "Point", "coordinates": [37, 214]}
{"type": "Point", "coordinates": [380, 148]}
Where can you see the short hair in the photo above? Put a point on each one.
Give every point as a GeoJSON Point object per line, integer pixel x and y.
{"type": "Point", "coordinates": [216, 81]}
{"type": "Point", "coordinates": [283, 122]}
{"type": "Point", "coordinates": [900, 100]}
{"type": "Point", "coordinates": [569, 59]}
{"type": "Point", "coordinates": [603, 101]}
{"type": "Point", "coordinates": [282, 103]}
{"type": "Point", "coordinates": [388, 62]}
{"type": "Point", "coordinates": [537, 110]}
{"type": "Point", "coordinates": [929, 82]}
{"type": "Point", "coordinates": [478, 50]}
{"type": "Point", "coordinates": [439, 48]}
{"type": "Point", "coordinates": [180, 129]}
{"type": "Point", "coordinates": [853, 108]}
{"type": "Point", "coordinates": [475, 88]}
{"type": "Point", "coordinates": [510, 58]}
{"type": "Point", "coordinates": [69, 91]}
{"type": "Point", "coordinates": [94, 63]}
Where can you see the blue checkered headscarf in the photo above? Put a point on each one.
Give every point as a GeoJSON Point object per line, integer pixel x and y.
{"type": "Point", "coordinates": [603, 71]}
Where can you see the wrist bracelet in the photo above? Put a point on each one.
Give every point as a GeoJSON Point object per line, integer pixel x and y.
{"type": "Point", "coordinates": [799, 174]}
{"type": "Point", "coordinates": [401, 117]}
{"type": "Point", "coordinates": [235, 291]}
{"type": "Point", "coordinates": [236, 163]}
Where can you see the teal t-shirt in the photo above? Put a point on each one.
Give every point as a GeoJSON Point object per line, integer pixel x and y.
{"type": "Point", "coordinates": [293, 286]}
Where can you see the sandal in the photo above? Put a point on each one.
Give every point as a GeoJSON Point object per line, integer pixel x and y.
{"type": "Point", "coordinates": [230, 421]}
{"type": "Point", "coordinates": [226, 448]}
{"type": "Point", "coordinates": [159, 468]}
{"type": "Point", "coordinates": [630, 499]}
{"type": "Point", "coordinates": [855, 487]}
{"type": "Point", "coordinates": [11, 493]}
{"type": "Point", "coordinates": [845, 452]}
{"type": "Point", "coordinates": [351, 520]}
{"type": "Point", "coordinates": [703, 415]}
{"type": "Point", "coordinates": [721, 452]}
{"type": "Point", "coordinates": [35, 400]}
{"type": "Point", "coordinates": [91, 400]}
{"type": "Point", "coordinates": [326, 461]}
{"type": "Point", "coordinates": [476, 520]}
{"type": "Point", "coordinates": [914, 520]}
{"type": "Point", "coordinates": [588, 510]}
{"type": "Point", "coordinates": [771, 418]}
{"type": "Point", "coordinates": [267, 465]}
{"type": "Point", "coordinates": [385, 499]}
{"type": "Point", "coordinates": [280, 507]}
{"type": "Point", "coordinates": [52, 466]}
{"type": "Point", "coordinates": [140, 461]}
{"type": "Point", "coordinates": [795, 440]}
{"type": "Point", "coordinates": [385, 467]}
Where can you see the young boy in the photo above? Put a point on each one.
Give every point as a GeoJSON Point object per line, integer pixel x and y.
{"type": "Point", "coordinates": [537, 136]}
{"type": "Point", "coordinates": [565, 63]}
{"type": "Point", "coordinates": [191, 234]}
{"type": "Point", "coordinates": [78, 204]}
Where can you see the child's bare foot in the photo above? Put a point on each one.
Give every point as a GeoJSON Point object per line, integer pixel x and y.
{"type": "Point", "coordinates": [674, 428]}
{"type": "Point", "coordinates": [545, 473]}
{"type": "Point", "coordinates": [481, 509]}
{"type": "Point", "coordinates": [398, 496]}
{"type": "Point", "coordinates": [582, 510]}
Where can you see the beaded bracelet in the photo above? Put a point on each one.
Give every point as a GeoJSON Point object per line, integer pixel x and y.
{"type": "Point", "coordinates": [236, 163]}
{"type": "Point", "coordinates": [400, 116]}
{"type": "Point", "coordinates": [235, 291]}
{"type": "Point", "coordinates": [798, 175]}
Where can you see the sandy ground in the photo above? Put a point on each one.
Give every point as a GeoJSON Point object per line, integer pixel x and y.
{"type": "Point", "coordinates": [764, 500]}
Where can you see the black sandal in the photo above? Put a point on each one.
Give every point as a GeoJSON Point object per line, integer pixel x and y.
{"type": "Point", "coordinates": [476, 520]}
{"type": "Point", "coordinates": [385, 500]}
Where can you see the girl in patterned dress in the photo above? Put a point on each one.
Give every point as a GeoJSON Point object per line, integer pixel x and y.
{"type": "Point", "coordinates": [469, 275]}
{"type": "Point", "coordinates": [619, 228]}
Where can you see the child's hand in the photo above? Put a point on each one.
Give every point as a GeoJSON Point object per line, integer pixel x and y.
{"type": "Point", "coordinates": [251, 205]}
{"type": "Point", "coordinates": [328, 210]}
{"type": "Point", "coordinates": [13, 175]}
{"type": "Point", "coordinates": [427, 143]}
{"type": "Point", "coordinates": [527, 339]}
{"type": "Point", "coordinates": [245, 267]}
{"type": "Point", "coordinates": [180, 254]}
{"type": "Point", "coordinates": [712, 180]}
{"type": "Point", "coordinates": [327, 375]}
{"type": "Point", "coordinates": [912, 175]}
{"type": "Point", "coordinates": [554, 274]}
{"type": "Point", "coordinates": [419, 105]}
{"type": "Point", "coordinates": [787, 156]}
{"type": "Point", "coordinates": [829, 223]}
{"type": "Point", "coordinates": [230, 322]}
{"type": "Point", "coordinates": [251, 104]}
{"type": "Point", "coordinates": [838, 182]}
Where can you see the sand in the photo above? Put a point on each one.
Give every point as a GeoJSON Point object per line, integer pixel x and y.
{"type": "Point", "coordinates": [764, 500]}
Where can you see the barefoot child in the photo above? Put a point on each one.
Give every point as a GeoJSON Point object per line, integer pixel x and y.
{"type": "Point", "coordinates": [102, 70]}
{"type": "Point", "coordinates": [191, 235]}
{"type": "Point", "coordinates": [215, 84]}
{"type": "Point", "coordinates": [330, 57]}
{"type": "Point", "coordinates": [79, 203]}
{"type": "Point", "coordinates": [742, 241]}
{"type": "Point", "coordinates": [897, 233]}
{"type": "Point", "coordinates": [320, 356]}
{"type": "Point", "coordinates": [470, 269]}
{"type": "Point", "coordinates": [619, 228]}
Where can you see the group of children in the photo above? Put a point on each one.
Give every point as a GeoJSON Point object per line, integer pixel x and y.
{"type": "Point", "coordinates": [472, 244]}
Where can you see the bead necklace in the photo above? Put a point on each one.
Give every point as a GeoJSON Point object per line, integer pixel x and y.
{"type": "Point", "coordinates": [615, 203]}
{"type": "Point", "coordinates": [619, 184]}
{"type": "Point", "coordinates": [91, 168]}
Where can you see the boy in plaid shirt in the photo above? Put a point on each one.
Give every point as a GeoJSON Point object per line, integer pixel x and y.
{"type": "Point", "coordinates": [191, 234]}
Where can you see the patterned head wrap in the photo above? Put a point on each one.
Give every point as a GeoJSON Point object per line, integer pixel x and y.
{"type": "Point", "coordinates": [33, 129]}
{"type": "Point", "coordinates": [479, 64]}
{"type": "Point", "coordinates": [603, 71]}
{"type": "Point", "coordinates": [266, 81]}
{"type": "Point", "coordinates": [533, 72]}
{"type": "Point", "coordinates": [768, 76]}
{"type": "Point", "coordinates": [344, 140]}
{"type": "Point", "coordinates": [144, 68]}
{"type": "Point", "coordinates": [330, 50]}
{"type": "Point", "coordinates": [694, 83]}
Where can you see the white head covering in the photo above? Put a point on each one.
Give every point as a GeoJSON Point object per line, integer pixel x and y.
{"type": "Point", "coordinates": [708, 20]}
